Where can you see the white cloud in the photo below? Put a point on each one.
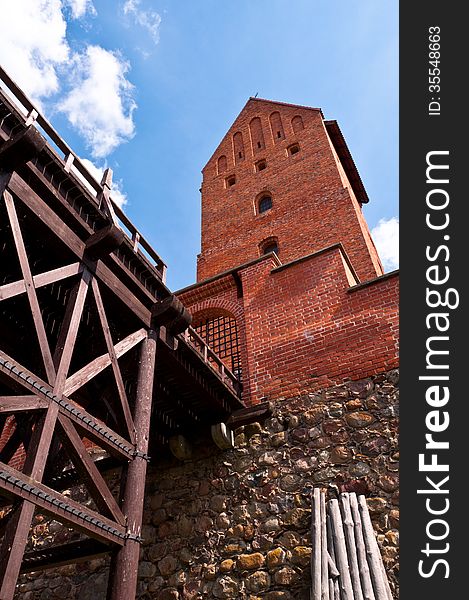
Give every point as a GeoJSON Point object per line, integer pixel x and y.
{"type": "Point", "coordinates": [117, 193]}
{"type": "Point", "coordinates": [148, 19]}
{"type": "Point", "coordinates": [89, 87]}
{"type": "Point", "coordinates": [79, 8]}
{"type": "Point", "coordinates": [386, 238]}
{"type": "Point", "coordinates": [33, 44]}
{"type": "Point", "coordinates": [100, 104]}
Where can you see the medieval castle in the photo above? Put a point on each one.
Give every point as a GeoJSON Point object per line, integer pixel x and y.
{"type": "Point", "coordinates": [290, 300]}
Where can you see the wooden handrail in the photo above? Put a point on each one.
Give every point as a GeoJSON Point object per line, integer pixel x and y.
{"type": "Point", "coordinates": [71, 162]}
{"type": "Point", "coordinates": [200, 345]}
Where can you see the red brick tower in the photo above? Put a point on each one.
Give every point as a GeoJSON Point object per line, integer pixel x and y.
{"type": "Point", "coordinates": [282, 177]}
{"type": "Point", "coordinates": [291, 291]}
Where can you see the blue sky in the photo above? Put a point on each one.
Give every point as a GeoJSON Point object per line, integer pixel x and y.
{"type": "Point", "coordinates": [161, 82]}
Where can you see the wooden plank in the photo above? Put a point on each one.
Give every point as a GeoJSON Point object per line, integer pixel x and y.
{"type": "Point", "coordinates": [104, 242]}
{"type": "Point", "coordinates": [345, 582]}
{"type": "Point", "coordinates": [91, 477]}
{"type": "Point", "coordinates": [85, 374]}
{"type": "Point", "coordinates": [351, 545]}
{"type": "Point", "coordinates": [12, 547]}
{"type": "Point", "coordinates": [21, 189]}
{"type": "Point", "coordinates": [69, 330]}
{"type": "Point", "coordinates": [30, 289]}
{"type": "Point", "coordinates": [316, 562]}
{"type": "Point", "coordinates": [363, 567]}
{"type": "Point", "coordinates": [11, 404]}
{"type": "Point", "coordinates": [29, 197]}
{"type": "Point", "coordinates": [18, 485]}
{"type": "Point", "coordinates": [379, 579]}
{"type": "Point", "coordinates": [19, 287]}
{"type": "Point", "coordinates": [114, 363]}
{"type": "Point", "coordinates": [64, 554]}
{"type": "Point", "coordinates": [94, 429]}
{"type": "Point", "coordinates": [324, 553]}
{"type": "Point", "coordinates": [249, 414]}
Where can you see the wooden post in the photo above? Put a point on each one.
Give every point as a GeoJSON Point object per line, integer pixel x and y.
{"type": "Point", "coordinates": [334, 591]}
{"type": "Point", "coordinates": [124, 565]}
{"type": "Point", "coordinates": [379, 580]}
{"type": "Point", "coordinates": [351, 545]}
{"type": "Point", "coordinates": [345, 582]}
{"type": "Point", "coordinates": [324, 553]}
{"type": "Point", "coordinates": [316, 546]}
{"type": "Point", "coordinates": [363, 567]}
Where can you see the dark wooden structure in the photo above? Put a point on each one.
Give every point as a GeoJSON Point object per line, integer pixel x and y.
{"type": "Point", "coordinates": [97, 357]}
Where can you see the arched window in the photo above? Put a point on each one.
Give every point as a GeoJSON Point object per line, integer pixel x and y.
{"type": "Point", "coordinates": [257, 135]}
{"type": "Point", "coordinates": [238, 147]}
{"type": "Point", "coordinates": [297, 124]}
{"type": "Point", "coordinates": [222, 164]}
{"type": "Point", "coordinates": [276, 126]}
{"type": "Point", "coordinates": [269, 245]}
{"type": "Point", "coordinates": [265, 203]}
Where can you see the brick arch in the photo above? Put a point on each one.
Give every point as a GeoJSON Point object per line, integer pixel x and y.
{"type": "Point", "coordinates": [214, 307]}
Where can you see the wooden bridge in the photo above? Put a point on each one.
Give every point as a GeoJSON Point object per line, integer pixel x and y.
{"type": "Point", "coordinates": [96, 354]}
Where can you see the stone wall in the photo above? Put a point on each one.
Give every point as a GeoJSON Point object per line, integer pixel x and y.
{"type": "Point", "coordinates": [236, 524]}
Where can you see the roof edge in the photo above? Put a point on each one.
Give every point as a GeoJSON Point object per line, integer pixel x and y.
{"type": "Point", "coordinates": [346, 160]}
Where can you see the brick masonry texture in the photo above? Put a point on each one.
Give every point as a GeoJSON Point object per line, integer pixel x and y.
{"type": "Point", "coordinates": [303, 326]}
{"type": "Point", "coordinates": [313, 202]}
{"type": "Point", "coordinates": [236, 524]}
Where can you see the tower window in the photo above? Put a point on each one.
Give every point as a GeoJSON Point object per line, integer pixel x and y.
{"type": "Point", "coordinates": [261, 165]}
{"type": "Point", "coordinates": [269, 245]}
{"type": "Point", "coordinates": [230, 181]}
{"type": "Point", "coordinates": [222, 164]}
{"type": "Point", "coordinates": [297, 124]}
{"type": "Point", "coordinates": [293, 149]}
{"type": "Point", "coordinates": [265, 203]}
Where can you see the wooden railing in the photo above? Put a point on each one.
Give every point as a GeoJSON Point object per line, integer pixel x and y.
{"type": "Point", "coordinates": [198, 343]}
{"type": "Point", "coordinates": [72, 164]}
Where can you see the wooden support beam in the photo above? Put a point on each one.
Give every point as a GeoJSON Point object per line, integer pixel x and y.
{"type": "Point", "coordinates": [15, 288]}
{"type": "Point", "coordinates": [114, 363]}
{"type": "Point", "coordinates": [21, 148]}
{"type": "Point", "coordinates": [16, 534]}
{"type": "Point", "coordinates": [21, 189]}
{"type": "Point", "coordinates": [90, 475]}
{"type": "Point", "coordinates": [251, 414]}
{"type": "Point", "coordinates": [93, 428]}
{"type": "Point", "coordinates": [85, 374]}
{"type": "Point", "coordinates": [171, 313]}
{"type": "Point", "coordinates": [12, 404]}
{"type": "Point", "coordinates": [64, 554]}
{"type": "Point", "coordinates": [18, 485]}
{"type": "Point", "coordinates": [30, 289]}
{"type": "Point", "coordinates": [124, 565]}
{"type": "Point", "coordinates": [103, 242]}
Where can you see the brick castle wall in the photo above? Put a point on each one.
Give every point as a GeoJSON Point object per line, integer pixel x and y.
{"type": "Point", "coordinates": [306, 325]}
